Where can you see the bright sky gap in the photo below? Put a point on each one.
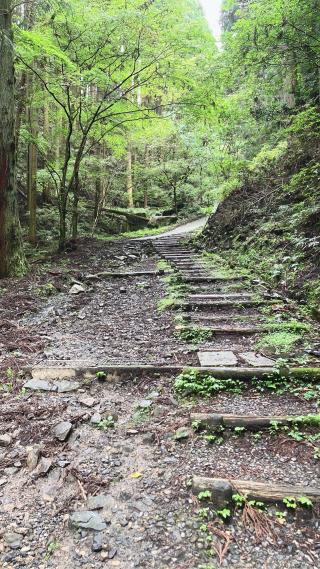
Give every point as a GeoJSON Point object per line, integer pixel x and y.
{"type": "Point", "coordinates": [212, 11]}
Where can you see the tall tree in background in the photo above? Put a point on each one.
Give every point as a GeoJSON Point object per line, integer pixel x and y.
{"type": "Point", "coordinates": [12, 261]}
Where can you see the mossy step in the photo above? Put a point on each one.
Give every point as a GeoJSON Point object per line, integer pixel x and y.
{"type": "Point", "coordinates": [222, 295]}
{"type": "Point", "coordinates": [212, 278]}
{"type": "Point", "coordinates": [222, 489]}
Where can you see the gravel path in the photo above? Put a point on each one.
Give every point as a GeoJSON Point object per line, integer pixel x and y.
{"type": "Point", "coordinates": [110, 454]}
{"type": "Point", "coordinates": [181, 230]}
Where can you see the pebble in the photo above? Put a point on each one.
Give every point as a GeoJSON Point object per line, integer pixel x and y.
{"type": "Point", "coordinates": [62, 430]}
{"type": "Point", "coordinates": [5, 440]}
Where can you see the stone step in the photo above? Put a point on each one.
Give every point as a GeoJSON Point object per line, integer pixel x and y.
{"type": "Point", "coordinates": [230, 358]}
{"type": "Point", "coordinates": [250, 422]}
{"type": "Point", "coordinates": [222, 490]}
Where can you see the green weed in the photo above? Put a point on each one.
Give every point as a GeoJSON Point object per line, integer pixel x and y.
{"type": "Point", "coordinates": [192, 383]}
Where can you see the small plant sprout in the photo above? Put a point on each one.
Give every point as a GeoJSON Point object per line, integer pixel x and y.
{"type": "Point", "coordinates": [101, 375]}
{"type": "Point", "coordinates": [281, 516]}
{"type": "Point", "coordinates": [239, 500]}
{"type": "Point", "coordinates": [305, 502]}
{"type": "Point", "coordinates": [290, 502]}
{"type": "Point", "coordinates": [224, 514]}
{"type": "Point", "coordinates": [239, 430]}
{"type": "Point", "coordinates": [203, 513]}
{"type": "Point", "coordinates": [196, 425]}
{"type": "Point", "coordinates": [204, 495]}
{"type": "Point", "coordinates": [107, 423]}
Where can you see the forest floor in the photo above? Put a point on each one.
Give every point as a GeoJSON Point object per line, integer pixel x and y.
{"type": "Point", "coordinates": [95, 470]}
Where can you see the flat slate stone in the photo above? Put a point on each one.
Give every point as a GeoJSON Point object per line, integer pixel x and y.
{"type": "Point", "coordinates": [40, 384]}
{"type": "Point", "coordinates": [224, 358]}
{"type": "Point", "coordinates": [88, 520]}
{"type": "Point", "coordinates": [66, 386]}
{"type": "Point", "coordinates": [256, 360]}
{"type": "Point", "coordinates": [98, 502]}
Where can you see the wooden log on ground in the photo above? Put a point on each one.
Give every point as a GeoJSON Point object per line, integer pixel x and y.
{"type": "Point", "coordinates": [240, 330]}
{"type": "Point", "coordinates": [222, 489]}
{"type": "Point", "coordinates": [212, 278]}
{"type": "Point", "coordinates": [107, 274]}
{"type": "Point", "coordinates": [58, 370]}
{"type": "Point", "coordinates": [250, 422]}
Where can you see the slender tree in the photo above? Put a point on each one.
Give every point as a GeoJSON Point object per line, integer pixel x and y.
{"type": "Point", "coordinates": [12, 260]}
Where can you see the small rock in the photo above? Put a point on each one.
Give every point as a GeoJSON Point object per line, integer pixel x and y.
{"type": "Point", "coordinates": [87, 520]}
{"type": "Point", "coordinates": [62, 430]}
{"type": "Point", "coordinates": [5, 440]}
{"type": "Point", "coordinates": [182, 433]}
{"type": "Point", "coordinates": [86, 401]}
{"type": "Point", "coordinates": [43, 467]}
{"type": "Point", "coordinates": [77, 289]}
{"type": "Point", "coordinates": [97, 502]}
{"type": "Point", "coordinates": [13, 540]}
{"type": "Point", "coordinates": [96, 418]}
{"type": "Point", "coordinates": [97, 542]}
{"type": "Point", "coordinates": [3, 481]}
{"type": "Point", "coordinates": [122, 290]}
{"type": "Point", "coordinates": [33, 456]}
{"type": "Point", "coordinates": [145, 404]}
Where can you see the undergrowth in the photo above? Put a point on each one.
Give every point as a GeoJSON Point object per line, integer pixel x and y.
{"type": "Point", "coordinates": [191, 382]}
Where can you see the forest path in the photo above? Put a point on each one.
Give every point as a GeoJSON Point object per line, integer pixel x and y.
{"type": "Point", "coordinates": [102, 449]}
{"type": "Point", "coordinates": [181, 230]}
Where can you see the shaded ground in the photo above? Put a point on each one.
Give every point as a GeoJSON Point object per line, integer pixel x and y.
{"type": "Point", "coordinates": [122, 444]}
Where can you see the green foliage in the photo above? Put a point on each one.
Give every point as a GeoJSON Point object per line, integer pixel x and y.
{"type": "Point", "coordinates": [224, 514]}
{"type": "Point", "coordinates": [281, 342]}
{"type": "Point", "coordinates": [101, 375]}
{"type": "Point", "coordinates": [107, 423]}
{"type": "Point", "coordinates": [195, 335]}
{"type": "Point", "coordinates": [204, 495]}
{"type": "Point", "coordinates": [192, 382]}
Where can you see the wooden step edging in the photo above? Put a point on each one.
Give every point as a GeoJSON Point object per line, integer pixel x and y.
{"type": "Point", "coordinates": [114, 275]}
{"type": "Point", "coordinates": [213, 278]}
{"type": "Point", "coordinates": [250, 422]}
{"type": "Point", "coordinates": [128, 372]}
{"type": "Point", "coordinates": [220, 329]}
{"type": "Point", "coordinates": [222, 490]}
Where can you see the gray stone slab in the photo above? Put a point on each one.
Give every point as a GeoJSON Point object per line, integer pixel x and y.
{"type": "Point", "coordinates": [40, 384]}
{"type": "Point", "coordinates": [87, 520]}
{"type": "Point", "coordinates": [223, 358]}
{"type": "Point", "coordinates": [66, 386]}
{"type": "Point", "coordinates": [256, 360]}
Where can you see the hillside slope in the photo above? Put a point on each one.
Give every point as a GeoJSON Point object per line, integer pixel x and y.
{"type": "Point", "coordinates": [271, 222]}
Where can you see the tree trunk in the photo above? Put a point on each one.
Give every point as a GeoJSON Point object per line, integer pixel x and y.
{"type": "Point", "coordinates": [97, 197]}
{"type": "Point", "coordinates": [75, 215]}
{"type": "Point", "coordinates": [46, 190]}
{"type": "Point", "coordinates": [32, 168]}
{"type": "Point", "coordinates": [175, 202]}
{"type": "Point", "coordinates": [12, 260]}
{"type": "Point", "coordinates": [129, 177]}
{"type": "Point", "coordinates": [62, 223]}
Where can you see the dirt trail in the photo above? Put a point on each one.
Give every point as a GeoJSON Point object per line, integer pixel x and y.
{"type": "Point", "coordinates": [119, 454]}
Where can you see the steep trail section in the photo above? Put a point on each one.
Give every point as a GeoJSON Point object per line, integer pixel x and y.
{"type": "Point", "coordinates": [183, 229]}
{"type": "Point", "coordinates": [124, 459]}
